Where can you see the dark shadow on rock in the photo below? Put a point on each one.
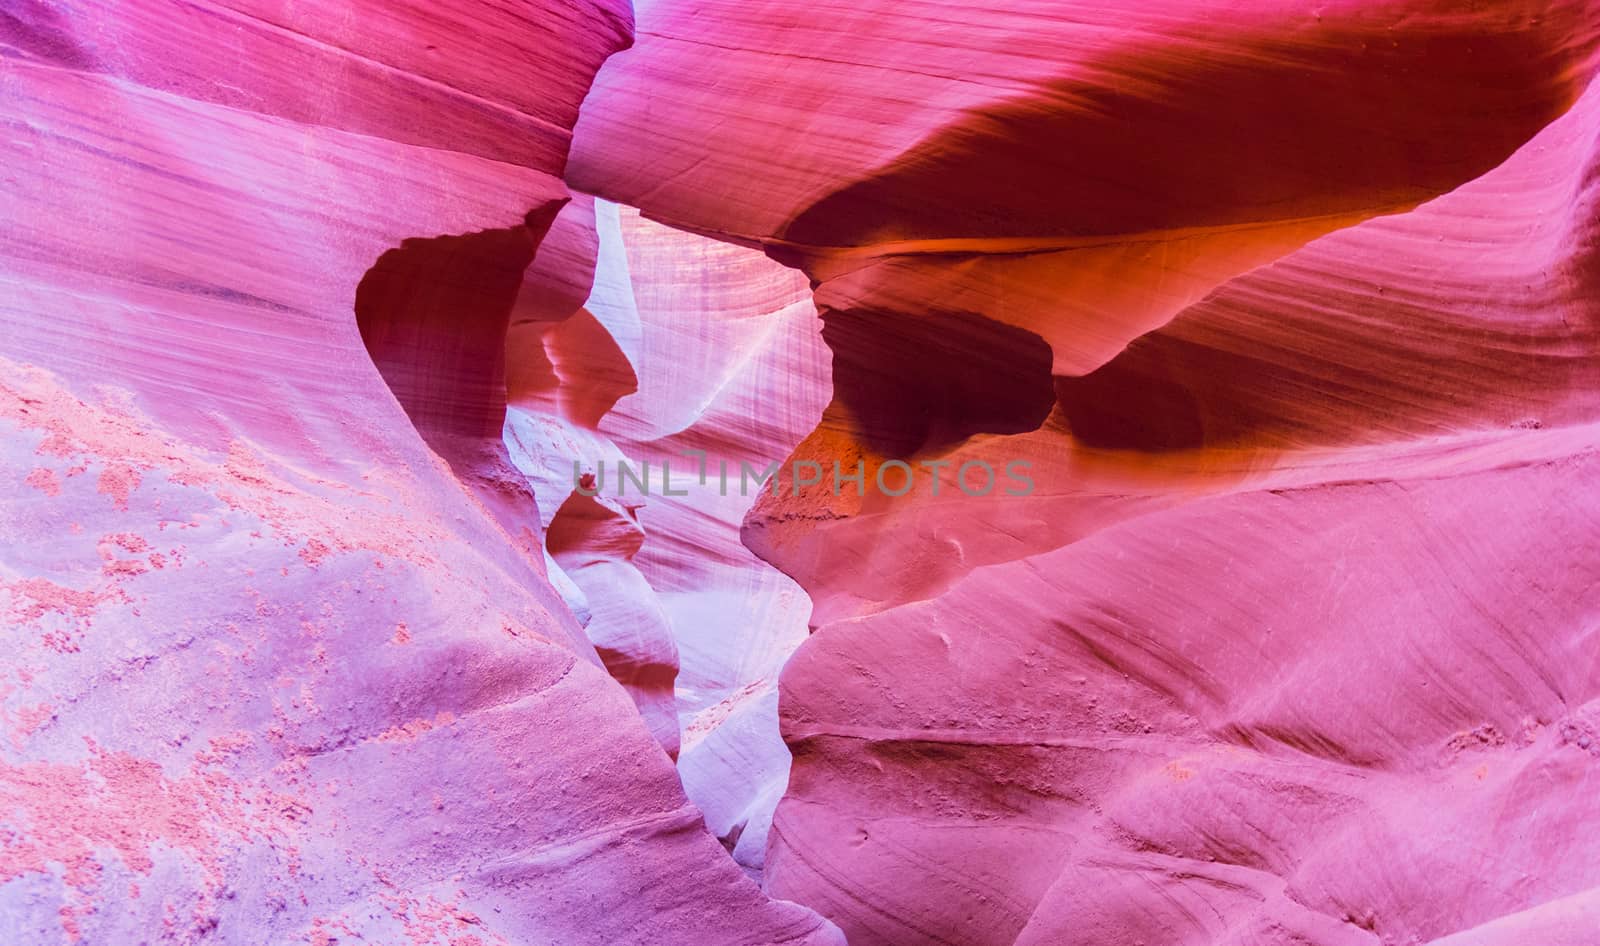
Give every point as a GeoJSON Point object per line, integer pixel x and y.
{"type": "Point", "coordinates": [913, 383]}
{"type": "Point", "coordinates": [433, 314]}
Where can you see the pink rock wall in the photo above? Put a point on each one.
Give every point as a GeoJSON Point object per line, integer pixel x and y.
{"type": "Point", "coordinates": [1288, 643]}
{"type": "Point", "coordinates": [1275, 323]}
{"type": "Point", "coordinates": [1080, 170]}
{"type": "Point", "coordinates": [276, 672]}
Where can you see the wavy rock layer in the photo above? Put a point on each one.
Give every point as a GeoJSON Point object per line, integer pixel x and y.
{"type": "Point", "coordinates": [1290, 640]}
{"type": "Point", "coordinates": [1291, 643]}
{"type": "Point", "coordinates": [276, 671]}
{"type": "Point", "coordinates": [1267, 333]}
{"type": "Point", "coordinates": [1077, 170]}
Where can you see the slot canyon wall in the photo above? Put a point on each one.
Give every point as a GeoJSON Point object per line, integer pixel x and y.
{"type": "Point", "coordinates": [283, 663]}
{"type": "Point", "coordinates": [322, 323]}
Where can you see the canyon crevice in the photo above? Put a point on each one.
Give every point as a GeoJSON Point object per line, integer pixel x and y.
{"type": "Point", "coordinates": [389, 394]}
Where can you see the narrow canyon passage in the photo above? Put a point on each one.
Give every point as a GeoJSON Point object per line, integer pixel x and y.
{"type": "Point", "coordinates": [496, 332]}
{"type": "Point", "coordinates": [1183, 422]}
{"type": "Point", "coordinates": [687, 351]}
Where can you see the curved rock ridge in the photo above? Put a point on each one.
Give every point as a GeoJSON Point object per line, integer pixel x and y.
{"type": "Point", "coordinates": [434, 316]}
{"type": "Point", "coordinates": [1389, 349]}
{"type": "Point", "coordinates": [500, 79]}
{"type": "Point", "coordinates": [1290, 642]}
{"type": "Point", "coordinates": [1288, 310]}
{"type": "Point", "coordinates": [276, 670]}
{"type": "Point", "coordinates": [417, 536]}
{"type": "Point", "coordinates": [1081, 171]}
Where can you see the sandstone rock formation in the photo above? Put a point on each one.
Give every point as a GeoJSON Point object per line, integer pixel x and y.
{"type": "Point", "coordinates": [1080, 170]}
{"type": "Point", "coordinates": [278, 672]}
{"type": "Point", "coordinates": [689, 357]}
{"type": "Point", "coordinates": [1289, 641]}
{"type": "Point", "coordinates": [1267, 332]}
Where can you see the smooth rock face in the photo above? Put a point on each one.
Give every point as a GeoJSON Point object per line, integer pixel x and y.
{"type": "Point", "coordinates": [389, 392]}
{"type": "Point", "coordinates": [1290, 312]}
{"type": "Point", "coordinates": [276, 671]}
{"type": "Point", "coordinates": [1080, 170]}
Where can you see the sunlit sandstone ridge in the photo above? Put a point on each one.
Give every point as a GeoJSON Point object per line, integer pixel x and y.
{"type": "Point", "coordinates": [312, 318]}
